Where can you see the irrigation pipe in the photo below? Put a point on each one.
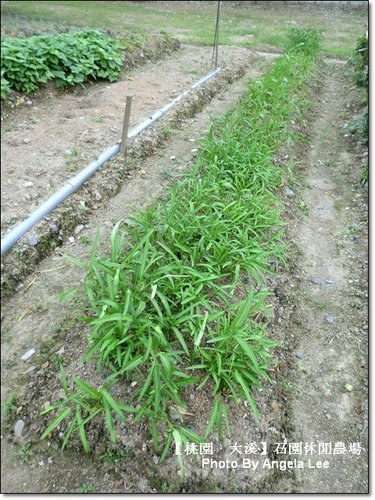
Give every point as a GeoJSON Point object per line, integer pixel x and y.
{"type": "Point", "coordinates": [73, 184]}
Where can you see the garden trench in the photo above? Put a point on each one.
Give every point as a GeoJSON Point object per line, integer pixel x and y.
{"type": "Point", "coordinates": [33, 318]}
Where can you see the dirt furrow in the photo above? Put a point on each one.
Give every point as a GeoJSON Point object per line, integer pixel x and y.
{"type": "Point", "coordinates": [330, 395]}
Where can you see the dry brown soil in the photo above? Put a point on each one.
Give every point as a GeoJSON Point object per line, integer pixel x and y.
{"type": "Point", "coordinates": [318, 391]}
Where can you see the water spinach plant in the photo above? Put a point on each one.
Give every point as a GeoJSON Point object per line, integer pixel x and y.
{"type": "Point", "coordinates": [163, 306]}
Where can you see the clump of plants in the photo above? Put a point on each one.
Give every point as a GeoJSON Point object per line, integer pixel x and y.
{"type": "Point", "coordinates": [360, 60]}
{"type": "Point", "coordinates": [67, 59]}
{"type": "Point", "coordinates": [163, 304]}
{"type": "Point", "coordinates": [305, 40]}
{"type": "Point", "coordinates": [361, 76]}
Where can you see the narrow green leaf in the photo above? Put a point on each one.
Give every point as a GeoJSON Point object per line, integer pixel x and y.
{"type": "Point", "coordinates": [198, 339]}
{"type": "Point", "coordinates": [75, 261]}
{"type": "Point", "coordinates": [246, 347]}
{"type": "Point", "coordinates": [179, 441]}
{"type": "Point", "coordinates": [166, 446]}
{"type": "Point", "coordinates": [242, 313]}
{"type": "Point", "coordinates": [95, 244]}
{"type": "Point", "coordinates": [181, 339]}
{"type": "Point", "coordinates": [154, 433]}
{"type": "Point", "coordinates": [164, 300]}
{"type": "Point", "coordinates": [249, 397]}
{"type": "Point", "coordinates": [109, 421]}
{"type": "Point", "coordinates": [53, 407]}
{"type": "Point", "coordinates": [157, 389]}
{"type": "Point", "coordinates": [133, 364]}
{"type": "Point", "coordinates": [85, 387]}
{"type": "Point", "coordinates": [68, 433]}
{"type": "Point", "coordinates": [64, 381]}
{"type": "Point", "coordinates": [55, 422]}
{"type": "Point", "coordinates": [192, 436]}
{"type": "Point", "coordinates": [215, 418]}
{"type": "Point", "coordinates": [156, 305]}
{"type": "Point", "coordinates": [81, 431]}
{"type": "Point", "coordinates": [168, 250]}
{"type": "Point", "coordinates": [147, 382]}
{"type": "Point", "coordinates": [113, 404]}
{"type": "Point", "coordinates": [69, 293]}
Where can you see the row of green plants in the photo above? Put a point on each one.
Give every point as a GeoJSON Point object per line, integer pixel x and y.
{"type": "Point", "coordinates": [360, 63]}
{"type": "Point", "coordinates": [165, 311]}
{"type": "Point", "coordinates": [67, 59]}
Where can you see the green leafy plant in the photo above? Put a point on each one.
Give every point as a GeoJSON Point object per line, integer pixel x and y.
{"type": "Point", "coordinates": [364, 177]}
{"type": "Point", "coordinates": [81, 406]}
{"type": "Point", "coordinates": [71, 157]}
{"type": "Point", "coordinates": [111, 457]}
{"type": "Point", "coordinates": [85, 488]}
{"type": "Point", "coordinates": [361, 60]}
{"type": "Point", "coordinates": [359, 63]}
{"type": "Point", "coordinates": [85, 240]}
{"type": "Point", "coordinates": [25, 452]}
{"type": "Point", "coordinates": [5, 87]}
{"type": "Point", "coordinates": [307, 40]}
{"type": "Point", "coordinates": [8, 408]}
{"type": "Point", "coordinates": [68, 59]}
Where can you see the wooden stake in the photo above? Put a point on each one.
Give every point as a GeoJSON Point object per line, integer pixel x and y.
{"type": "Point", "coordinates": [215, 51]}
{"type": "Point", "coordinates": [125, 127]}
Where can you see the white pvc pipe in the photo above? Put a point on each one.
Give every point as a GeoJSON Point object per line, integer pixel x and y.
{"type": "Point", "coordinates": [11, 238]}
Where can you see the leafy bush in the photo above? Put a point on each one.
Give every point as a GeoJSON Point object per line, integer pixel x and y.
{"type": "Point", "coordinates": [359, 64]}
{"type": "Point", "coordinates": [5, 88]}
{"type": "Point", "coordinates": [360, 60]}
{"type": "Point", "coordinates": [69, 58]}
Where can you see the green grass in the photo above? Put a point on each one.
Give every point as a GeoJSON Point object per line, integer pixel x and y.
{"type": "Point", "coordinates": [9, 407]}
{"type": "Point", "coordinates": [111, 457]}
{"type": "Point", "coordinates": [85, 488]}
{"type": "Point", "coordinates": [164, 306]}
{"type": "Point", "coordinates": [258, 28]}
{"type": "Point", "coordinates": [25, 452]}
{"type": "Point", "coordinates": [71, 157]}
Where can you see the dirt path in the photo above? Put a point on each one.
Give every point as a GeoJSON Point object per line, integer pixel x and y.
{"type": "Point", "coordinates": [329, 404]}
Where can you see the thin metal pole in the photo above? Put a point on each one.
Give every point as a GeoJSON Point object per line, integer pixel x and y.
{"type": "Point", "coordinates": [125, 127]}
{"type": "Point", "coordinates": [215, 52]}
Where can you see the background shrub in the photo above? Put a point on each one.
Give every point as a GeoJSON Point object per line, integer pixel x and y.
{"type": "Point", "coordinates": [69, 58]}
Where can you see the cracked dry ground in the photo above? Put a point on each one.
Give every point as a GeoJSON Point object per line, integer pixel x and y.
{"type": "Point", "coordinates": [321, 326]}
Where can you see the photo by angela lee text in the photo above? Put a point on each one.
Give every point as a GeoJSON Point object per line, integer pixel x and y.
{"type": "Point", "coordinates": [247, 463]}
